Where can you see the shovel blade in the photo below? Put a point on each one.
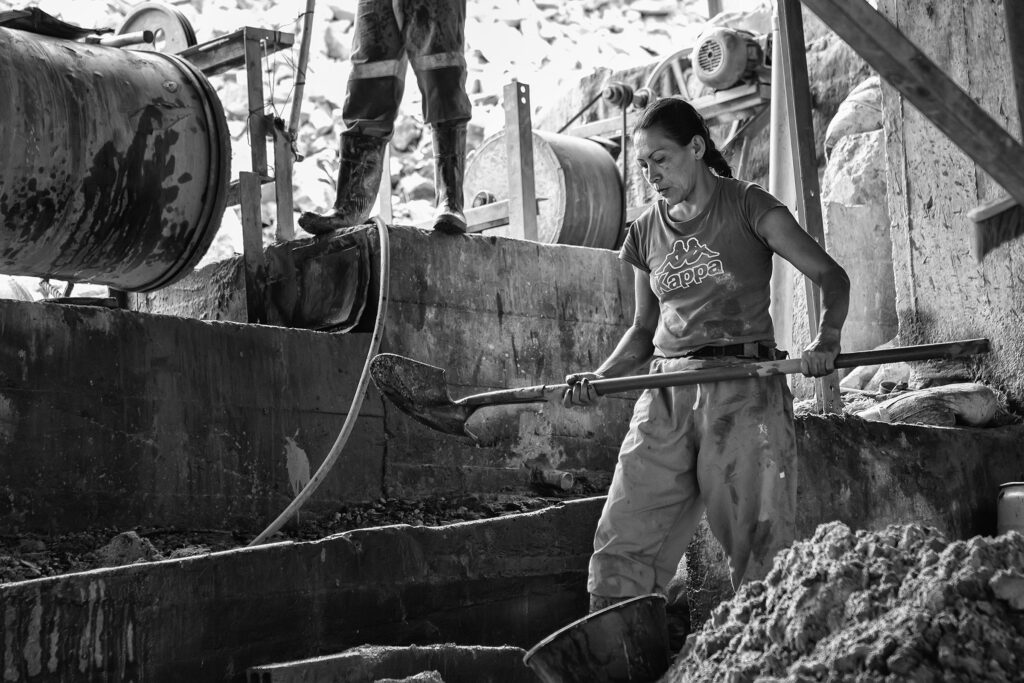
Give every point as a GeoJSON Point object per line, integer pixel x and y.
{"type": "Point", "coordinates": [420, 391]}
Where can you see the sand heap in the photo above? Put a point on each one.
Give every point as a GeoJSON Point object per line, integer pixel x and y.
{"type": "Point", "coordinates": [902, 604]}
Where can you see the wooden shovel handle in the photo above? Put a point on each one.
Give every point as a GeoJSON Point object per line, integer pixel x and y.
{"type": "Point", "coordinates": [613, 385]}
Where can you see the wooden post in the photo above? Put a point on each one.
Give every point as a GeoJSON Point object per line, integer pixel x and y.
{"type": "Point", "coordinates": [808, 196]}
{"type": "Point", "coordinates": [250, 195]}
{"type": "Point", "coordinates": [522, 194]}
{"type": "Point", "coordinates": [283, 182]}
{"type": "Point", "coordinates": [257, 120]}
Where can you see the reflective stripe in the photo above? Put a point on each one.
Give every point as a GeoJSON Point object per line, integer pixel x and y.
{"type": "Point", "coordinates": [394, 68]}
{"type": "Point", "coordinates": [441, 60]}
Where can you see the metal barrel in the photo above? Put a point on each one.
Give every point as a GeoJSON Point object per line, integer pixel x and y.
{"type": "Point", "coordinates": [577, 184]}
{"type": "Point", "coordinates": [117, 163]}
{"type": "Point", "coordinates": [1010, 507]}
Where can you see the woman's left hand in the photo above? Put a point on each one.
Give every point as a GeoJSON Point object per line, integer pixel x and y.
{"type": "Point", "coordinates": [819, 358]}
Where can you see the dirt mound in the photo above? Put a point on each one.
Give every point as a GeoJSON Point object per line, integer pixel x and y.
{"type": "Point", "coordinates": [901, 604]}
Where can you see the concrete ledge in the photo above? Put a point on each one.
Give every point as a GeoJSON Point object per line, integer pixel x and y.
{"type": "Point", "coordinates": [455, 663]}
{"type": "Point", "coordinates": [505, 581]}
{"type": "Point", "coordinates": [869, 475]}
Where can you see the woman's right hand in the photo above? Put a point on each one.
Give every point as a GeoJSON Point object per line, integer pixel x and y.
{"type": "Point", "coordinates": [580, 392]}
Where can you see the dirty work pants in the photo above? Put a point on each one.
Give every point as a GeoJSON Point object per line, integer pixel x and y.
{"type": "Point", "coordinates": [727, 447]}
{"type": "Point", "coordinates": [389, 34]}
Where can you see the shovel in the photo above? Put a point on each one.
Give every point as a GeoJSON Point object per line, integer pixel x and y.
{"type": "Point", "coordinates": [420, 390]}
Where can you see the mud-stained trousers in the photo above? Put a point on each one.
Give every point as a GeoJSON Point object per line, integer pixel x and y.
{"type": "Point", "coordinates": [726, 447]}
{"type": "Point", "coordinates": [390, 34]}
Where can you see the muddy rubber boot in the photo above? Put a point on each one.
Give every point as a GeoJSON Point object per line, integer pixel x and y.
{"type": "Point", "coordinates": [359, 174]}
{"type": "Point", "coordinates": [449, 165]}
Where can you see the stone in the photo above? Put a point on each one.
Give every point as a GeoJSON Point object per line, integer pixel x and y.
{"type": "Point", "coordinates": [338, 40]}
{"type": "Point", "coordinates": [860, 112]}
{"type": "Point", "coordinates": [127, 548]}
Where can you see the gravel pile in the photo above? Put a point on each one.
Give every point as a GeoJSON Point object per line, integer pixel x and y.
{"type": "Point", "coordinates": [901, 604]}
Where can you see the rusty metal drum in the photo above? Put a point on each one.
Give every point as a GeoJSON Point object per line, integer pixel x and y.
{"type": "Point", "coordinates": [623, 643]}
{"type": "Point", "coordinates": [1010, 507]}
{"type": "Point", "coordinates": [116, 163]}
{"type": "Point", "coordinates": [577, 182]}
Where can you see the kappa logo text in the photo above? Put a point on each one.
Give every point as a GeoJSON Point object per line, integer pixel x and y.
{"type": "Point", "coordinates": [688, 263]}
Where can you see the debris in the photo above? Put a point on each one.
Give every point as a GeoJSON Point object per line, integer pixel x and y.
{"type": "Point", "coordinates": [127, 548]}
{"type": "Point", "coordinates": [903, 603]}
{"type": "Point", "coordinates": [422, 677]}
{"type": "Point", "coordinates": [965, 403]}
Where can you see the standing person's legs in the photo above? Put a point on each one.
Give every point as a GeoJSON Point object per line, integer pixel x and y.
{"type": "Point", "coordinates": [434, 33]}
{"type": "Point", "coordinates": [653, 503]}
{"type": "Point", "coordinates": [373, 94]}
{"type": "Point", "coordinates": [747, 470]}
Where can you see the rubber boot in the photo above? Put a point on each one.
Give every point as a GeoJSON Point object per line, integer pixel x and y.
{"type": "Point", "coordinates": [449, 165]}
{"type": "Point", "coordinates": [359, 174]}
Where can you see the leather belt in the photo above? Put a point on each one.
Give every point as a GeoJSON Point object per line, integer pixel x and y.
{"type": "Point", "coordinates": [748, 350]}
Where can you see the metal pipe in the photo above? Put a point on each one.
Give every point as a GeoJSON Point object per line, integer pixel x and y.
{"type": "Point", "coordinates": [127, 39]}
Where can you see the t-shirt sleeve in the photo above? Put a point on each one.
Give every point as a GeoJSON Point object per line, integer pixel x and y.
{"type": "Point", "coordinates": [634, 251]}
{"type": "Point", "coordinates": [756, 203]}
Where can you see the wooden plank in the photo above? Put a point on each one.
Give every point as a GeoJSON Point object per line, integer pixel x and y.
{"type": "Point", "coordinates": [258, 129]}
{"type": "Point", "coordinates": [519, 139]}
{"type": "Point", "coordinates": [801, 129]}
{"type": "Point", "coordinates": [283, 182]}
{"type": "Point", "coordinates": [252, 245]}
{"type": "Point", "coordinates": [227, 52]}
{"type": "Point", "coordinates": [233, 198]}
{"type": "Point", "coordinates": [927, 87]}
{"type": "Point", "coordinates": [480, 218]}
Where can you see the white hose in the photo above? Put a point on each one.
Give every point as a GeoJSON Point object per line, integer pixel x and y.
{"type": "Point", "coordinates": [357, 400]}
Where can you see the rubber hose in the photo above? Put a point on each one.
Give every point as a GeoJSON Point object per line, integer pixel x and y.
{"type": "Point", "coordinates": [357, 400]}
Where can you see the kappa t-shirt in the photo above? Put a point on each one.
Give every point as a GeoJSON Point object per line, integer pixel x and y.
{"type": "Point", "coordinates": [711, 274]}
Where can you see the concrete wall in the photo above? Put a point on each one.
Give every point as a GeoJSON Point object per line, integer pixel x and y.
{"type": "Point", "coordinates": [869, 475]}
{"type": "Point", "coordinates": [116, 418]}
{"type": "Point", "coordinates": [111, 418]}
{"type": "Point", "coordinates": [508, 581]}
{"type": "Point", "coordinates": [942, 292]}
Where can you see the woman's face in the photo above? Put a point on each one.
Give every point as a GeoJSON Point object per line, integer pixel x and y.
{"type": "Point", "coordinates": [670, 168]}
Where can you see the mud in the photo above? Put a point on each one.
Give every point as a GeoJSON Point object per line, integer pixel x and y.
{"type": "Point", "coordinates": [29, 556]}
{"type": "Point", "coordinates": [901, 604]}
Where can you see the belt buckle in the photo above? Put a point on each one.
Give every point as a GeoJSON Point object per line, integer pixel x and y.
{"type": "Point", "coordinates": [752, 350]}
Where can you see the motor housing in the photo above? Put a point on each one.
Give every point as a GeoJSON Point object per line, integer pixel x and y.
{"type": "Point", "coordinates": [726, 57]}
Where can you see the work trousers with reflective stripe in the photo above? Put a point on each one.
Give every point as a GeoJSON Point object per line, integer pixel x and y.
{"type": "Point", "coordinates": [390, 34]}
{"type": "Point", "coordinates": [727, 447]}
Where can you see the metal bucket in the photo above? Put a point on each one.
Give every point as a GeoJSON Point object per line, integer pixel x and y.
{"type": "Point", "coordinates": [624, 642]}
{"type": "Point", "coordinates": [116, 163]}
{"type": "Point", "coordinates": [576, 179]}
{"type": "Point", "coordinates": [1010, 507]}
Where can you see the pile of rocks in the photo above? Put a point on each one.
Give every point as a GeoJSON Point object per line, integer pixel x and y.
{"type": "Point", "coordinates": [903, 603]}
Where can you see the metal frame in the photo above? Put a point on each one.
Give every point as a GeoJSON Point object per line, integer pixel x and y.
{"type": "Point", "coordinates": [246, 48]}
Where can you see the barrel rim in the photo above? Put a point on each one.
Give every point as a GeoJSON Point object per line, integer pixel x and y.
{"type": "Point", "coordinates": [209, 221]}
{"type": "Point", "coordinates": [626, 603]}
